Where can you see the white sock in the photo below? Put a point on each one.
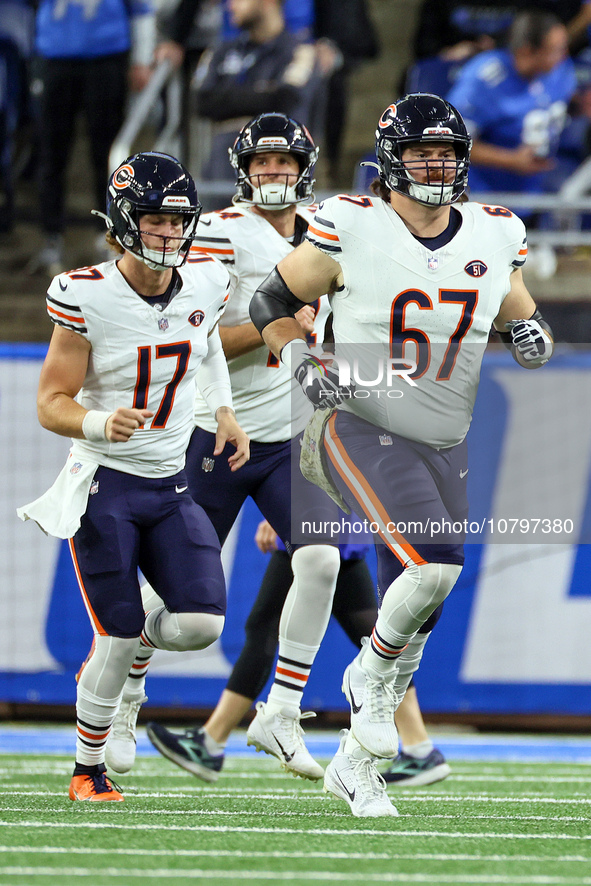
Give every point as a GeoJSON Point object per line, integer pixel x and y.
{"type": "Point", "coordinates": [407, 604]}
{"type": "Point", "coordinates": [135, 684]}
{"type": "Point", "coordinates": [181, 631]}
{"type": "Point", "coordinates": [304, 619]}
{"type": "Point", "coordinates": [420, 751]}
{"type": "Point", "coordinates": [94, 716]}
{"type": "Point", "coordinates": [212, 746]}
{"type": "Point", "coordinates": [291, 675]}
{"type": "Point", "coordinates": [150, 599]}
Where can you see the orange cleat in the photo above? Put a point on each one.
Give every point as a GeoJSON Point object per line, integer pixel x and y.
{"type": "Point", "coordinates": [94, 787]}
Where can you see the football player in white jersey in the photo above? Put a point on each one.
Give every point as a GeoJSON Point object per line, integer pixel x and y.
{"type": "Point", "coordinates": [415, 281]}
{"type": "Point", "coordinates": [274, 159]}
{"type": "Point", "coordinates": [131, 338]}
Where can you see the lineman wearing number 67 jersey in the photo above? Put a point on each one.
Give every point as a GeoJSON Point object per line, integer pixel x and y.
{"type": "Point", "coordinates": [415, 284]}
{"type": "Point", "coordinates": [131, 338]}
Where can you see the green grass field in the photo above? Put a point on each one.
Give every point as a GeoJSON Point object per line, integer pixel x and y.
{"type": "Point", "coordinates": [505, 823]}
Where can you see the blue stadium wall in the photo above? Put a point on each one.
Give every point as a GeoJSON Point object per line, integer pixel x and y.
{"type": "Point", "coordinates": [513, 638]}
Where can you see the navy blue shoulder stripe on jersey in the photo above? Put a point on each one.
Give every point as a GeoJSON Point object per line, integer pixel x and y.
{"type": "Point", "coordinates": [315, 241]}
{"type": "Point", "coordinates": [62, 304]}
{"type": "Point", "coordinates": [324, 221]}
{"type": "Point", "coordinates": [76, 328]}
{"type": "Point", "coordinates": [517, 262]}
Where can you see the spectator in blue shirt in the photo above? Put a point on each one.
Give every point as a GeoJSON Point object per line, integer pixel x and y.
{"type": "Point", "coordinates": [458, 29]}
{"type": "Point", "coordinates": [514, 102]}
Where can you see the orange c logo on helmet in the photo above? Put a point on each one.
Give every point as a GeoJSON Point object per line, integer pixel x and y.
{"type": "Point", "coordinates": [122, 176]}
{"type": "Point", "coordinates": [305, 128]}
{"type": "Point", "coordinates": [387, 116]}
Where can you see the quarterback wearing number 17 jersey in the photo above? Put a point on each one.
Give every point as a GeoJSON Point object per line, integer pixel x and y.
{"type": "Point", "coordinates": [410, 299]}
{"type": "Point", "coordinates": [148, 360]}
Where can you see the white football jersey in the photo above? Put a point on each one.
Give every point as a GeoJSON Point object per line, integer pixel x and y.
{"type": "Point", "coordinates": [269, 404]}
{"type": "Point", "coordinates": [141, 357]}
{"type": "Point", "coordinates": [403, 300]}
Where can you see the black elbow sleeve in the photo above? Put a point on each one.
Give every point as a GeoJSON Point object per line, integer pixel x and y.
{"type": "Point", "coordinates": [272, 301]}
{"type": "Point", "coordinates": [543, 323]}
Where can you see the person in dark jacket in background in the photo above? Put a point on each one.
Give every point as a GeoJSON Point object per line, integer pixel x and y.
{"type": "Point", "coordinates": [88, 56]}
{"type": "Point", "coordinates": [266, 68]}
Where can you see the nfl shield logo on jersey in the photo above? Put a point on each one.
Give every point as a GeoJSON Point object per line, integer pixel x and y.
{"type": "Point", "coordinates": [385, 440]}
{"type": "Point", "coordinates": [94, 487]}
{"type": "Point", "coordinates": [76, 468]}
{"type": "Point", "coordinates": [433, 262]}
{"type": "Point", "coordinates": [162, 324]}
{"type": "Point", "coordinates": [207, 465]}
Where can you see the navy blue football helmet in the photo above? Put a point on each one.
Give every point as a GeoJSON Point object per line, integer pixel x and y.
{"type": "Point", "coordinates": [151, 183]}
{"type": "Point", "coordinates": [272, 132]}
{"type": "Point", "coordinates": [422, 117]}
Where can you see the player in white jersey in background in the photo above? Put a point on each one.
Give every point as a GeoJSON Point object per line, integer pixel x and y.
{"type": "Point", "coordinates": [131, 338]}
{"type": "Point", "coordinates": [415, 279]}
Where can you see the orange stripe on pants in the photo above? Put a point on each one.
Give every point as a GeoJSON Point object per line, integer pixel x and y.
{"type": "Point", "coordinates": [337, 453]}
{"type": "Point", "coordinates": [95, 622]}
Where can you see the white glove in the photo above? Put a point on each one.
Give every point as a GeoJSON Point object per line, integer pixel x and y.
{"type": "Point", "coordinates": [319, 382]}
{"type": "Point", "coordinates": [532, 346]}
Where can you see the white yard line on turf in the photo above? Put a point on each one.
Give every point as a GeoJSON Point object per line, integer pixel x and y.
{"type": "Point", "coordinates": [391, 833]}
{"type": "Point", "coordinates": [313, 876]}
{"type": "Point", "coordinates": [329, 812]}
{"type": "Point", "coordinates": [353, 856]}
{"type": "Point", "coordinates": [408, 797]}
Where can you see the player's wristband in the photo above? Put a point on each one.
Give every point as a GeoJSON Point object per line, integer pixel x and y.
{"type": "Point", "coordinates": [94, 425]}
{"type": "Point", "coordinates": [294, 352]}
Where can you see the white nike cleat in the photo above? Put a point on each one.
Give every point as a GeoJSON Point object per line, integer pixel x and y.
{"type": "Point", "coordinates": [121, 743]}
{"type": "Point", "coordinates": [373, 703]}
{"type": "Point", "coordinates": [357, 781]}
{"type": "Point", "coordinates": [281, 735]}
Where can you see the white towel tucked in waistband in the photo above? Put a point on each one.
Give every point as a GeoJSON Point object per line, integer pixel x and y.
{"type": "Point", "coordinates": [58, 511]}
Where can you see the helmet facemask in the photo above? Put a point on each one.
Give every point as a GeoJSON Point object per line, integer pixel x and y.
{"type": "Point", "coordinates": [274, 133]}
{"type": "Point", "coordinates": [423, 119]}
{"type": "Point", "coordinates": [279, 193]}
{"type": "Point", "coordinates": [132, 241]}
{"type": "Point", "coordinates": [435, 182]}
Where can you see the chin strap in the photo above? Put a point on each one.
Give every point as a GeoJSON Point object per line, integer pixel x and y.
{"type": "Point", "coordinates": [102, 215]}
